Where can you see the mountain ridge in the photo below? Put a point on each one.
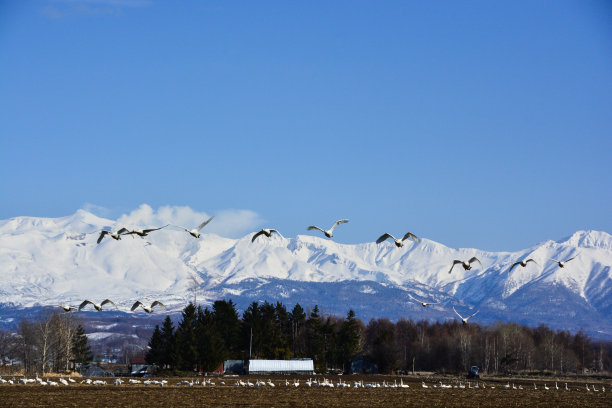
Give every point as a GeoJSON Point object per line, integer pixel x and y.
{"type": "Point", "coordinates": [52, 260]}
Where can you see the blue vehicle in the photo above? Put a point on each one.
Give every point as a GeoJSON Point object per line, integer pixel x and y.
{"type": "Point", "coordinates": [473, 373]}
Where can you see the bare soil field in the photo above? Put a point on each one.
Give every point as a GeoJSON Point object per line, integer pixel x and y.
{"type": "Point", "coordinates": [228, 395]}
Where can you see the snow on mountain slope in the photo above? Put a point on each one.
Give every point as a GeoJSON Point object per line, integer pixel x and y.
{"type": "Point", "coordinates": [51, 260]}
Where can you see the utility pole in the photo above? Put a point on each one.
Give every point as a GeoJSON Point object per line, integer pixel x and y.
{"type": "Point", "coordinates": [251, 343]}
{"type": "Point", "coordinates": [413, 365]}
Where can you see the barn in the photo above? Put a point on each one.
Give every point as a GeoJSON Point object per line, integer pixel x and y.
{"type": "Point", "coordinates": [301, 366]}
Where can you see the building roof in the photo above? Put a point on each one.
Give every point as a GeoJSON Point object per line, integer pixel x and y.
{"type": "Point", "coordinates": [280, 365]}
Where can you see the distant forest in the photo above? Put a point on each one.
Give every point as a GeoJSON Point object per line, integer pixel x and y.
{"type": "Point", "coordinates": [204, 338]}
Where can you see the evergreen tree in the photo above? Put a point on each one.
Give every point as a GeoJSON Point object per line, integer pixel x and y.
{"type": "Point", "coordinates": [185, 340]}
{"type": "Point", "coordinates": [227, 325]}
{"type": "Point", "coordinates": [349, 338]}
{"type": "Point", "coordinates": [297, 320]}
{"type": "Point", "coordinates": [251, 324]}
{"type": "Point", "coordinates": [315, 340]}
{"type": "Point", "coordinates": [167, 357]}
{"type": "Point", "coordinates": [80, 349]}
{"type": "Point", "coordinates": [210, 347]}
{"type": "Point", "coordinates": [154, 354]}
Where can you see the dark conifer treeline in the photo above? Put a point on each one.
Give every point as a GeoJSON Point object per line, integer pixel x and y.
{"type": "Point", "coordinates": [204, 338]}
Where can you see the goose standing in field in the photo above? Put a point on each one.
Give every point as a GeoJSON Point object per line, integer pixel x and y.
{"type": "Point", "coordinates": [464, 320]}
{"type": "Point", "coordinates": [98, 307]}
{"type": "Point", "coordinates": [328, 233]}
{"type": "Point", "coordinates": [143, 232]}
{"type": "Point", "coordinates": [466, 265]}
{"type": "Point", "coordinates": [398, 242]}
{"type": "Point", "coordinates": [145, 308]}
{"type": "Point", "coordinates": [113, 235]}
{"type": "Point", "coordinates": [562, 263]}
{"type": "Point", "coordinates": [522, 263]}
{"type": "Point", "coordinates": [196, 231]}
{"type": "Point", "coordinates": [265, 231]}
{"type": "Point", "coordinates": [67, 308]}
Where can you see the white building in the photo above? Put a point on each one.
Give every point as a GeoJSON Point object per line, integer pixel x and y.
{"type": "Point", "coordinates": [304, 366]}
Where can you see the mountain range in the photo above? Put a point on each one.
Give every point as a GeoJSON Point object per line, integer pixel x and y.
{"type": "Point", "coordinates": [48, 261]}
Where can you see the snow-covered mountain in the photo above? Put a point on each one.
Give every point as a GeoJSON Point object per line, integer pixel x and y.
{"type": "Point", "coordinates": [45, 261]}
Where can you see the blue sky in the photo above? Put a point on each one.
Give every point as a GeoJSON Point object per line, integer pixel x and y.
{"type": "Point", "coordinates": [475, 124]}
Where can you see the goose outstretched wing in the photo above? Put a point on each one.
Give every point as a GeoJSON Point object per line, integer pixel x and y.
{"type": "Point", "coordinates": [102, 234]}
{"type": "Point", "coordinates": [314, 227]}
{"type": "Point", "coordinates": [136, 304]}
{"type": "Point", "coordinates": [157, 302]}
{"type": "Point", "coordinates": [412, 236]}
{"type": "Point", "coordinates": [474, 259]}
{"type": "Point", "coordinates": [472, 315]}
{"type": "Point", "coordinates": [455, 262]}
{"type": "Point", "coordinates": [154, 229]}
{"type": "Point", "coordinates": [384, 237]}
{"type": "Point", "coordinates": [337, 223]}
{"type": "Point", "coordinates": [107, 301]}
{"type": "Point", "coordinates": [202, 225]}
{"type": "Point", "coordinates": [85, 303]}
{"type": "Point", "coordinates": [262, 232]}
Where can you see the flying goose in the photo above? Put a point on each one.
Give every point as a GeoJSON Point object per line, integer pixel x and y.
{"type": "Point", "coordinates": [95, 305]}
{"type": "Point", "coordinates": [562, 263]}
{"type": "Point", "coordinates": [466, 265]}
{"type": "Point", "coordinates": [196, 231]}
{"type": "Point", "coordinates": [328, 233]}
{"type": "Point", "coordinates": [522, 263]}
{"type": "Point", "coordinates": [464, 320]}
{"type": "Point", "coordinates": [145, 308]}
{"type": "Point", "coordinates": [114, 235]}
{"type": "Point", "coordinates": [424, 304]}
{"type": "Point", "coordinates": [398, 242]}
{"type": "Point", "coordinates": [265, 231]}
{"type": "Point", "coordinates": [143, 233]}
{"type": "Point", "coordinates": [67, 308]}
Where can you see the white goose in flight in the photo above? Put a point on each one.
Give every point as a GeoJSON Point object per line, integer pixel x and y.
{"type": "Point", "coordinates": [398, 242]}
{"type": "Point", "coordinates": [98, 307]}
{"type": "Point", "coordinates": [424, 304]}
{"type": "Point", "coordinates": [464, 320]}
{"type": "Point", "coordinates": [196, 231]}
{"type": "Point", "coordinates": [67, 308]}
{"type": "Point", "coordinates": [114, 235]}
{"type": "Point", "coordinates": [143, 232]}
{"type": "Point", "coordinates": [265, 231]}
{"type": "Point", "coordinates": [145, 308]}
{"type": "Point", "coordinates": [522, 263]}
{"type": "Point", "coordinates": [562, 263]}
{"type": "Point", "coordinates": [466, 265]}
{"type": "Point", "coordinates": [328, 233]}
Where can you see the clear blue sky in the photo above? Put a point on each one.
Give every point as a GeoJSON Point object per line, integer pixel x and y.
{"type": "Point", "coordinates": [477, 124]}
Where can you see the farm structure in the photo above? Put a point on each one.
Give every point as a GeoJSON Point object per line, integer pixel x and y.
{"type": "Point", "coordinates": [302, 366]}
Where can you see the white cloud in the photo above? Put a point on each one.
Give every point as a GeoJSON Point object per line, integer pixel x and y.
{"type": "Point", "coordinates": [97, 210]}
{"type": "Point", "coordinates": [230, 223]}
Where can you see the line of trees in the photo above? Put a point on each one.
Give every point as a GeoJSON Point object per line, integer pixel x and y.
{"type": "Point", "coordinates": [55, 342]}
{"type": "Point", "coordinates": [204, 338]}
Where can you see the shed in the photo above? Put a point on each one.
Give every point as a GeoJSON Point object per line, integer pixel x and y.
{"type": "Point", "coordinates": [302, 366]}
{"type": "Point", "coordinates": [94, 371]}
{"type": "Point", "coordinates": [234, 366]}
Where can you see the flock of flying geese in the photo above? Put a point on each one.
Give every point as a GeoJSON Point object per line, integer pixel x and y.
{"type": "Point", "coordinates": [267, 232]}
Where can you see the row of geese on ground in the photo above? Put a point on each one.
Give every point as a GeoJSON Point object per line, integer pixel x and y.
{"type": "Point", "coordinates": [399, 242]}
{"type": "Point", "coordinates": [296, 383]}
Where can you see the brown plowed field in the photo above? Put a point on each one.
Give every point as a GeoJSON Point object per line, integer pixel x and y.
{"type": "Point", "coordinates": [34, 395]}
